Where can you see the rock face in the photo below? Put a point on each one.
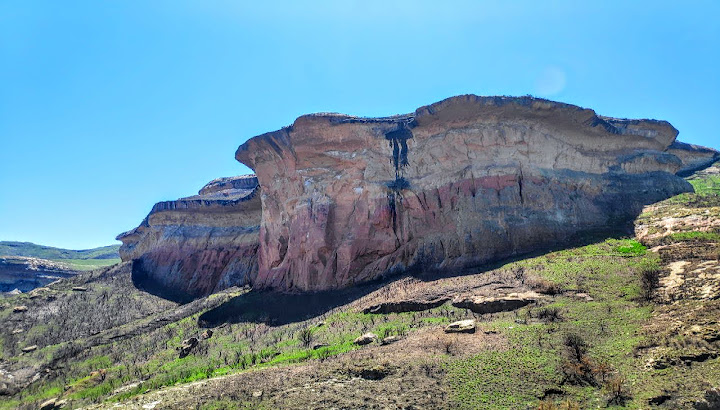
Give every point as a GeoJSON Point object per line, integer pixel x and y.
{"type": "Point", "coordinates": [693, 157]}
{"type": "Point", "coordinates": [25, 274]}
{"type": "Point", "coordinates": [452, 186]}
{"type": "Point", "coordinates": [200, 244]}
{"type": "Point", "coordinates": [501, 303]}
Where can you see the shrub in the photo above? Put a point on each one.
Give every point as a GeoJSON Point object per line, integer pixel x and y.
{"type": "Point", "coordinates": [579, 368]}
{"type": "Point", "coordinates": [649, 278]}
{"type": "Point", "coordinates": [616, 388]}
{"type": "Point", "coordinates": [550, 314]}
{"type": "Point", "coordinates": [576, 345]}
{"type": "Point", "coordinates": [305, 337]}
{"type": "Point", "coordinates": [545, 286]}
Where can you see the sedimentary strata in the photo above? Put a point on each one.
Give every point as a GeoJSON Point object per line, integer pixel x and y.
{"type": "Point", "coordinates": [452, 186]}
{"type": "Point", "coordinates": [200, 244]}
{"type": "Point", "coordinates": [23, 274]}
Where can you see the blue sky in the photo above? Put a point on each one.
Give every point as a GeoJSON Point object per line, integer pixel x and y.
{"type": "Point", "coordinates": [107, 107]}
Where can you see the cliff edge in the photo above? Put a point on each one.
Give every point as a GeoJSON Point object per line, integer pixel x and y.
{"type": "Point", "coordinates": [452, 186]}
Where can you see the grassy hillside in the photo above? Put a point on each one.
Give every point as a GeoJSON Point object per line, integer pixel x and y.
{"type": "Point", "coordinates": [85, 259]}
{"type": "Point", "coordinates": [619, 323]}
{"type": "Point", "coordinates": [29, 249]}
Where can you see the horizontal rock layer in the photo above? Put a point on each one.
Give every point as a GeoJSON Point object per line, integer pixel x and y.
{"type": "Point", "coordinates": [197, 245]}
{"type": "Point", "coordinates": [23, 274]}
{"type": "Point", "coordinates": [456, 184]}
{"type": "Point", "coordinates": [693, 157]}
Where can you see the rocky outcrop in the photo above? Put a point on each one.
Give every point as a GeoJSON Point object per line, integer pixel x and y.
{"type": "Point", "coordinates": [197, 245]}
{"type": "Point", "coordinates": [693, 157]}
{"type": "Point", "coordinates": [402, 306]}
{"type": "Point", "coordinates": [495, 304]}
{"type": "Point", "coordinates": [452, 186]}
{"type": "Point", "coordinates": [25, 274]}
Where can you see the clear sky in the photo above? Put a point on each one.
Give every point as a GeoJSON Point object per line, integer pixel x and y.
{"type": "Point", "coordinates": [107, 107]}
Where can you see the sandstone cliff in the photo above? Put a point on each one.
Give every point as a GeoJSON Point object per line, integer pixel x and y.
{"type": "Point", "coordinates": [200, 244]}
{"type": "Point", "coordinates": [693, 157]}
{"type": "Point", "coordinates": [25, 274]}
{"type": "Point", "coordinates": [447, 188]}
{"type": "Point", "coordinates": [454, 185]}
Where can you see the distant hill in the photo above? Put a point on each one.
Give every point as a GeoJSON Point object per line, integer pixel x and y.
{"type": "Point", "coordinates": [78, 260]}
{"type": "Point", "coordinates": [31, 250]}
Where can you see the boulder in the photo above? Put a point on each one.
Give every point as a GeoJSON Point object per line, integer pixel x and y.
{"type": "Point", "coordinates": [365, 339]}
{"type": "Point", "coordinates": [461, 326]}
{"type": "Point", "coordinates": [494, 304]}
{"type": "Point", "coordinates": [79, 288]}
{"type": "Point", "coordinates": [390, 339]}
{"type": "Point", "coordinates": [207, 334]}
{"type": "Point", "coordinates": [50, 404]}
{"type": "Point", "coordinates": [20, 309]}
{"type": "Point", "coordinates": [186, 346]}
{"type": "Point", "coordinates": [29, 349]}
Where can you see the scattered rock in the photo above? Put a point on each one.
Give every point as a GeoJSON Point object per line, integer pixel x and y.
{"type": "Point", "coordinates": [371, 372]}
{"type": "Point", "coordinates": [79, 289]}
{"type": "Point", "coordinates": [19, 309]}
{"type": "Point", "coordinates": [461, 326]}
{"type": "Point", "coordinates": [186, 347]}
{"type": "Point", "coordinates": [207, 334]}
{"type": "Point", "coordinates": [505, 303]}
{"type": "Point", "coordinates": [405, 306]}
{"type": "Point", "coordinates": [551, 392]}
{"type": "Point", "coordinates": [29, 349]}
{"type": "Point", "coordinates": [584, 296]}
{"type": "Point", "coordinates": [697, 357]}
{"type": "Point", "coordinates": [711, 400]}
{"type": "Point", "coordinates": [390, 339]}
{"type": "Point", "coordinates": [49, 405]}
{"type": "Point", "coordinates": [365, 339]}
{"type": "Point", "coordinates": [658, 400]}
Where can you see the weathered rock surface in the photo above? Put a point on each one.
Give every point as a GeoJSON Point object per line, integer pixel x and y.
{"type": "Point", "coordinates": [693, 157]}
{"type": "Point", "coordinates": [461, 326]}
{"type": "Point", "coordinates": [494, 304]}
{"type": "Point", "coordinates": [365, 339]}
{"type": "Point", "coordinates": [26, 274]}
{"type": "Point", "coordinates": [197, 245]}
{"type": "Point", "coordinates": [452, 186]}
{"type": "Point", "coordinates": [405, 306]}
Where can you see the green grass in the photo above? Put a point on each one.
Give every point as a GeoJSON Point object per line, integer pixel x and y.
{"type": "Point", "coordinates": [631, 247]}
{"type": "Point", "coordinates": [706, 184]}
{"type": "Point", "coordinates": [611, 325]}
{"type": "Point", "coordinates": [88, 264]}
{"type": "Point", "coordinates": [694, 236]}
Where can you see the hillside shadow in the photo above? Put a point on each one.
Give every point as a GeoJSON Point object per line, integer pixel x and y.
{"type": "Point", "coordinates": [275, 308]}
{"type": "Point", "coordinates": [142, 280]}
